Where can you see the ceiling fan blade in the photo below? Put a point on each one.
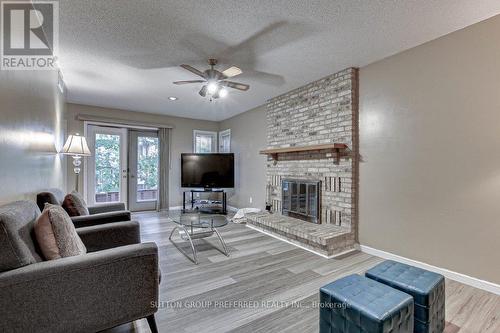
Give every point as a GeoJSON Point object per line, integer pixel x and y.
{"type": "Point", "coordinates": [235, 85]}
{"type": "Point", "coordinates": [203, 91]}
{"type": "Point", "coordinates": [188, 82]}
{"type": "Point", "coordinates": [193, 70]}
{"type": "Point", "coordinates": [232, 71]}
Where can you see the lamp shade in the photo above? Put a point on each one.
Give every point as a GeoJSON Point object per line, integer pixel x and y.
{"type": "Point", "coordinates": [76, 145]}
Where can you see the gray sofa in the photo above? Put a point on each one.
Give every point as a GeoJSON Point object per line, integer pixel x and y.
{"type": "Point", "coordinates": [99, 214]}
{"type": "Point", "coordinates": [116, 282]}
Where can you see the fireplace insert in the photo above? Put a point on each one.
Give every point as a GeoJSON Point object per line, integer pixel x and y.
{"type": "Point", "coordinates": [301, 199]}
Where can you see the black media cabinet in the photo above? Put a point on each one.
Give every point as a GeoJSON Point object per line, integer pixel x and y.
{"type": "Point", "coordinates": [211, 206]}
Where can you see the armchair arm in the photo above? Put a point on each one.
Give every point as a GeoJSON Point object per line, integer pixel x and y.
{"type": "Point", "coordinates": [101, 218]}
{"type": "Point", "coordinates": [86, 293]}
{"type": "Point", "coordinates": [109, 235]}
{"type": "Point", "coordinates": [105, 208]}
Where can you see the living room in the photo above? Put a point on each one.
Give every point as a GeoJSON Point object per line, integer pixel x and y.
{"type": "Point", "coordinates": [231, 166]}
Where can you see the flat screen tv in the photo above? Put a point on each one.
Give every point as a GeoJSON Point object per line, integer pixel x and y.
{"type": "Point", "coordinates": [207, 170]}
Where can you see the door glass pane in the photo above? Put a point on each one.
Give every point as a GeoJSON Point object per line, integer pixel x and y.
{"type": "Point", "coordinates": [107, 167]}
{"type": "Point", "coordinates": [294, 198]}
{"type": "Point", "coordinates": [286, 196]}
{"type": "Point", "coordinates": [313, 200]}
{"type": "Point", "coordinates": [147, 168]}
{"type": "Point", "coordinates": [302, 198]}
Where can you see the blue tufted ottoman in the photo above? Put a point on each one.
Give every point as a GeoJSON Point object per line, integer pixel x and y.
{"type": "Point", "coordinates": [356, 304]}
{"type": "Point", "coordinates": [427, 289]}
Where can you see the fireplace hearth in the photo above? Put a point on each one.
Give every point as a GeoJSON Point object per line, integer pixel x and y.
{"type": "Point", "coordinates": [301, 199]}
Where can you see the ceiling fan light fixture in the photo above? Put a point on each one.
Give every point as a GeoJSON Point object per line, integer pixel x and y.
{"type": "Point", "coordinates": [214, 82]}
{"type": "Point", "coordinates": [203, 91]}
{"type": "Point", "coordinates": [212, 87]}
{"type": "Point", "coordinates": [223, 92]}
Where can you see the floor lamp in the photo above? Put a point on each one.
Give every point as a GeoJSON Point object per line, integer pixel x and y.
{"type": "Point", "coordinates": [76, 147]}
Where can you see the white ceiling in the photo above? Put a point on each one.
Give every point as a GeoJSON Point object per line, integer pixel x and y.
{"type": "Point", "coordinates": [125, 53]}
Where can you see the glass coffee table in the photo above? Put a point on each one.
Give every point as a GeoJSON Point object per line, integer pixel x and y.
{"type": "Point", "coordinates": [192, 226]}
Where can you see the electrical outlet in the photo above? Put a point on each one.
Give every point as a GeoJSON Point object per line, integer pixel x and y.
{"type": "Point", "coordinates": [197, 195]}
{"type": "Point", "coordinates": [251, 199]}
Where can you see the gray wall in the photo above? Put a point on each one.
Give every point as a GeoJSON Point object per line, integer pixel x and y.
{"type": "Point", "coordinates": [182, 138]}
{"type": "Point", "coordinates": [248, 136]}
{"type": "Point", "coordinates": [31, 130]}
{"type": "Point", "coordinates": [430, 146]}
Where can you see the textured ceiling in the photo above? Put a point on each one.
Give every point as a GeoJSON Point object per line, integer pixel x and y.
{"type": "Point", "coordinates": [125, 53]}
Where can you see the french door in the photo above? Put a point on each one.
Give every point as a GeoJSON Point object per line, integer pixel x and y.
{"type": "Point", "coordinates": [143, 170]}
{"type": "Point", "coordinates": [123, 167]}
{"type": "Point", "coordinates": [107, 166]}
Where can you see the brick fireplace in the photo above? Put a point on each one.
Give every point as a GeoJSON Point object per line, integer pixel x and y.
{"type": "Point", "coordinates": [304, 129]}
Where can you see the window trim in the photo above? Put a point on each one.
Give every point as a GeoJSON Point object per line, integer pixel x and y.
{"type": "Point", "coordinates": [211, 133]}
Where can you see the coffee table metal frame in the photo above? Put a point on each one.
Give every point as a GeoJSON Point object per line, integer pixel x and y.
{"type": "Point", "coordinates": [190, 232]}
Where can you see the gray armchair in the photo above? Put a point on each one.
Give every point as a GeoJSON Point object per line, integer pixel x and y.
{"type": "Point", "coordinates": [116, 282]}
{"type": "Point", "coordinates": [105, 213]}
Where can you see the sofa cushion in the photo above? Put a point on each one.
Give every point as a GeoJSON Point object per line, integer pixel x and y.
{"type": "Point", "coordinates": [17, 239]}
{"type": "Point", "coordinates": [56, 234]}
{"type": "Point", "coordinates": [75, 205]}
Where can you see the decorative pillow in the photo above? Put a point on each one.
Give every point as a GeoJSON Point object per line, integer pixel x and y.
{"type": "Point", "coordinates": [56, 235]}
{"type": "Point", "coordinates": [75, 205]}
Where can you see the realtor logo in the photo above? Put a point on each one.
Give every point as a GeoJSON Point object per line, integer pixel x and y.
{"type": "Point", "coordinates": [29, 35]}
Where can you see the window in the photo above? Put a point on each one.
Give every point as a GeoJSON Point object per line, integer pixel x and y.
{"type": "Point", "coordinates": [204, 141]}
{"type": "Point", "coordinates": [225, 141]}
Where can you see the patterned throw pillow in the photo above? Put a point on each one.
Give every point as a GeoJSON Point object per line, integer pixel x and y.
{"type": "Point", "coordinates": [75, 205]}
{"type": "Point", "coordinates": [56, 235]}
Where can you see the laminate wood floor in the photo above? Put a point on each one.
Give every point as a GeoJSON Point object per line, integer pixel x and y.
{"type": "Point", "coordinates": [267, 285]}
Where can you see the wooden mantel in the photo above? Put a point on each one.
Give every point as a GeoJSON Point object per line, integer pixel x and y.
{"type": "Point", "coordinates": [274, 152]}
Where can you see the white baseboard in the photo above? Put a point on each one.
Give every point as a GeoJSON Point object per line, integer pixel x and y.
{"type": "Point", "coordinates": [175, 208]}
{"type": "Point", "coordinates": [298, 245]}
{"type": "Point", "coordinates": [462, 278]}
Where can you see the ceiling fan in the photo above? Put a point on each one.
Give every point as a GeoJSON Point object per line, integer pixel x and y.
{"type": "Point", "coordinates": [215, 82]}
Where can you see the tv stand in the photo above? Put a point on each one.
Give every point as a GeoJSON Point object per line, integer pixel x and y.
{"type": "Point", "coordinates": [212, 206]}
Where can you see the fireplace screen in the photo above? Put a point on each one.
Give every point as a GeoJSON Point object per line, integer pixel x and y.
{"type": "Point", "coordinates": [300, 199]}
